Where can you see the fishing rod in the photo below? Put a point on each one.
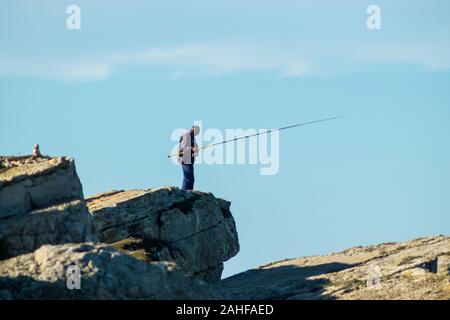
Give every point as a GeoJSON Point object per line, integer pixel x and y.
{"type": "Point", "coordinates": [261, 133]}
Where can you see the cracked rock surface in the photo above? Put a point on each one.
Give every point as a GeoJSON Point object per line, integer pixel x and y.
{"type": "Point", "coordinates": [194, 229]}
{"type": "Point", "coordinates": [416, 269]}
{"type": "Point", "coordinates": [105, 274]}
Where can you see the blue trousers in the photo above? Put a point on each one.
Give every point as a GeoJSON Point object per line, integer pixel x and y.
{"type": "Point", "coordinates": [188, 177]}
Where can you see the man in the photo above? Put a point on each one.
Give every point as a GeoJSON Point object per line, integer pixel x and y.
{"type": "Point", "coordinates": [187, 151]}
{"type": "Point", "coordinates": [36, 151]}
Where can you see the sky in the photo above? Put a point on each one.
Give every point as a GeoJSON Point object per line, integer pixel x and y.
{"type": "Point", "coordinates": [111, 93]}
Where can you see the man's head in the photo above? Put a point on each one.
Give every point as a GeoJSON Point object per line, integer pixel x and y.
{"type": "Point", "coordinates": [195, 130]}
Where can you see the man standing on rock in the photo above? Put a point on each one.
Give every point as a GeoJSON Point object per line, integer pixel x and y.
{"type": "Point", "coordinates": [186, 152]}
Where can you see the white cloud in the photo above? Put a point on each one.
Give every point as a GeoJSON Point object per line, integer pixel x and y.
{"type": "Point", "coordinates": [227, 58]}
{"type": "Point", "coordinates": [181, 61]}
{"type": "Point", "coordinates": [212, 59]}
{"type": "Point", "coordinates": [68, 71]}
{"type": "Point", "coordinates": [297, 68]}
{"type": "Point", "coordinates": [432, 57]}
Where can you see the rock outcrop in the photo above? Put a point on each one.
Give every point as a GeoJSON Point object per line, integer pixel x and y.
{"type": "Point", "coordinates": [46, 228]}
{"type": "Point", "coordinates": [167, 244]}
{"type": "Point", "coordinates": [105, 274]}
{"type": "Point", "coordinates": [41, 202]}
{"type": "Point", "coordinates": [417, 269]}
{"type": "Point", "coordinates": [193, 229]}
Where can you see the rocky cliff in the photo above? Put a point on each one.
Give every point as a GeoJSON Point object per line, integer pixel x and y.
{"type": "Point", "coordinates": [193, 229]}
{"type": "Point", "coordinates": [139, 244]}
{"type": "Point", "coordinates": [416, 269]}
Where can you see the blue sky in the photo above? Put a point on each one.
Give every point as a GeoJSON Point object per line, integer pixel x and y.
{"type": "Point", "coordinates": [111, 94]}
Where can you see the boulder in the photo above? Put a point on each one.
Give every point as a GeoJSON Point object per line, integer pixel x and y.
{"type": "Point", "coordinates": [41, 202]}
{"type": "Point", "coordinates": [104, 274]}
{"type": "Point", "coordinates": [36, 183]}
{"type": "Point", "coordinates": [194, 229]}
